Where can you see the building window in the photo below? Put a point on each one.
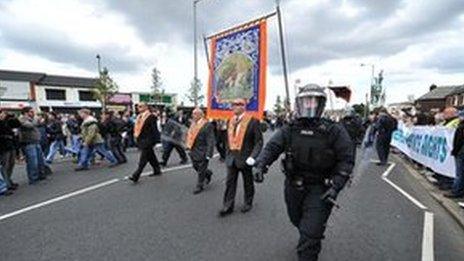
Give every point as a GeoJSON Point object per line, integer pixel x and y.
{"type": "Point", "coordinates": [86, 96]}
{"type": "Point", "coordinates": [56, 95]}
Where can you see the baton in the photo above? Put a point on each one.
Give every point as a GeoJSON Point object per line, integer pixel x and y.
{"type": "Point", "coordinates": [333, 202]}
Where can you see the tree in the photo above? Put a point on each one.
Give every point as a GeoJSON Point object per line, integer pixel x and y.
{"type": "Point", "coordinates": [194, 94]}
{"type": "Point", "coordinates": [359, 109]}
{"type": "Point", "coordinates": [157, 91]}
{"type": "Point", "coordinates": [104, 88]}
{"type": "Point", "coordinates": [278, 107]}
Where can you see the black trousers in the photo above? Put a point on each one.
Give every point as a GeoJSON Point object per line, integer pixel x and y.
{"type": "Point", "coordinates": [309, 214]}
{"type": "Point", "coordinates": [201, 167]}
{"type": "Point", "coordinates": [7, 160]}
{"type": "Point", "coordinates": [167, 149]}
{"type": "Point", "coordinates": [231, 186]}
{"type": "Point", "coordinates": [221, 143]}
{"type": "Point", "coordinates": [383, 149]}
{"type": "Point", "coordinates": [147, 155]}
{"type": "Point", "coordinates": [115, 144]}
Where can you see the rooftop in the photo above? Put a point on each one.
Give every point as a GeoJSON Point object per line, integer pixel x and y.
{"type": "Point", "coordinates": [439, 93]}
{"type": "Point", "coordinates": [45, 79]}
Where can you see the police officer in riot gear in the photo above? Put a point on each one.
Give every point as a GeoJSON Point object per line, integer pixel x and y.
{"type": "Point", "coordinates": [318, 162]}
{"type": "Point", "coordinates": [353, 125]}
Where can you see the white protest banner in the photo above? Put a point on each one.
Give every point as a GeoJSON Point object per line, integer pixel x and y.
{"type": "Point", "coordinates": [429, 145]}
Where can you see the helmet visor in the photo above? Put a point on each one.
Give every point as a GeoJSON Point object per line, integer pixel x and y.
{"type": "Point", "coordinates": [309, 106]}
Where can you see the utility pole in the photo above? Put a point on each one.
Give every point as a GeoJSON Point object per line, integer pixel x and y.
{"type": "Point", "coordinates": [195, 53]}
{"type": "Point", "coordinates": [284, 59]}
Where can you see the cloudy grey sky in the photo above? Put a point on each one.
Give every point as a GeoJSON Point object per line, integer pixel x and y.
{"type": "Point", "coordinates": [416, 42]}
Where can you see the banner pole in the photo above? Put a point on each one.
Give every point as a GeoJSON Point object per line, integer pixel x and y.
{"type": "Point", "coordinates": [238, 27]}
{"type": "Point", "coordinates": [205, 43]}
{"type": "Point", "coordinates": [284, 59]}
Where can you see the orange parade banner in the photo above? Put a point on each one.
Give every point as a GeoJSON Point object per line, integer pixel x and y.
{"type": "Point", "coordinates": [237, 69]}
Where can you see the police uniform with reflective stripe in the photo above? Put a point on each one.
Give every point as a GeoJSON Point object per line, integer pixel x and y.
{"type": "Point", "coordinates": [316, 151]}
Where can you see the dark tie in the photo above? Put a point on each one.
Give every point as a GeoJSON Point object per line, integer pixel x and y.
{"type": "Point", "coordinates": [237, 121]}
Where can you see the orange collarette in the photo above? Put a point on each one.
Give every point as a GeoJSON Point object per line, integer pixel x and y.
{"type": "Point", "coordinates": [193, 132]}
{"type": "Point", "coordinates": [236, 137]}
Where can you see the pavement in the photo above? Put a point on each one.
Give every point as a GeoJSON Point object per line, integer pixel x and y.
{"type": "Point", "coordinates": [385, 214]}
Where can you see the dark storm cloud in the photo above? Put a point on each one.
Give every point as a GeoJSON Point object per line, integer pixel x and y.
{"type": "Point", "coordinates": [314, 33]}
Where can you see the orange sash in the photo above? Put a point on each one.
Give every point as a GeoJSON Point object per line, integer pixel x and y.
{"type": "Point", "coordinates": [193, 132]}
{"type": "Point", "coordinates": [236, 139]}
{"type": "Point", "coordinates": [139, 122]}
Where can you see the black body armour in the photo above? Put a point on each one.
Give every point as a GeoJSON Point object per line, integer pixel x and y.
{"type": "Point", "coordinates": [310, 151]}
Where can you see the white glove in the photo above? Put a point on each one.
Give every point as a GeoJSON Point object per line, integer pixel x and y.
{"type": "Point", "coordinates": [250, 161]}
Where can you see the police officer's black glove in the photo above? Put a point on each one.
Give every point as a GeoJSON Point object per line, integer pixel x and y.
{"type": "Point", "coordinates": [258, 175]}
{"type": "Point", "coordinates": [339, 180]}
{"type": "Point", "coordinates": [330, 196]}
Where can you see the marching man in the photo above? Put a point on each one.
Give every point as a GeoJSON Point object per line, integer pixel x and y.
{"type": "Point", "coordinates": [245, 142]}
{"type": "Point", "coordinates": [200, 142]}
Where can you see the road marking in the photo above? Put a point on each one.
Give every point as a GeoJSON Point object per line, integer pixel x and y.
{"type": "Point", "coordinates": [427, 237]}
{"type": "Point", "coordinates": [54, 200]}
{"type": "Point", "coordinates": [411, 198]}
{"type": "Point", "coordinates": [389, 169]}
{"type": "Point", "coordinates": [82, 191]}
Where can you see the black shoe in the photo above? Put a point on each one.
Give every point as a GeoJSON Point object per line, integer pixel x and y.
{"type": "Point", "coordinates": [7, 193]}
{"type": "Point", "coordinates": [112, 165]}
{"type": "Point", "coordinates": [14, 186]}
{"type": "Point", "coordinates": [155, 173]}
{"type": "Point", "coordinates": [163, 164]}
{"type": "Point", "coordinates": [133, 179]}
{"type": "Point", "coordinates": [444, 188]}
{"type": "Point", "coordinates": [81, 168]}
{"type": "Point", "coordinates": [453, 195]}
{"type": "Point", "coordinates": [184, 161]}
{"type": "Point", "coordinates": [198, 190]}
{"type": "Point", "coordinates": [225, 212]}
{"type": "Point", "coordinates": [246, 208]}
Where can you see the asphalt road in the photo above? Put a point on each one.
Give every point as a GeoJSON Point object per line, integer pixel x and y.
{"type": "Point", "coordinates": [160, 219]}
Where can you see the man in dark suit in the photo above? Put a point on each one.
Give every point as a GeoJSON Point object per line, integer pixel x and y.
{"type": "Point", "coordinates": [245, 142]}
{"type": "Point", "coordinates": [147, 135]}
{"type": "Point", "coordinates": [200, 142]}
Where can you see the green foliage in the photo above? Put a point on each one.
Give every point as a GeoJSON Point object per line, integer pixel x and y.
{"type": "Point", "coordinates": [157, 90]}
{"type": "Point", "coordinates": [359, 109]}
{"type": "Point", "coordinates": [278, 106]}
{"type": "Point", "coordinates": [194, 95]}
{"type": "Point", "coordinates": [104, 88]}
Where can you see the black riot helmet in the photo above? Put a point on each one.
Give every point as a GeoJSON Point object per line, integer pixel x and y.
{"type": "Point", "coordinates": [310, 101]}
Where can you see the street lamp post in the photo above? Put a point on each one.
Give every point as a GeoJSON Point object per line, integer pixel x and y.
{"type": "Point", "coordinates": [99, 63]}
{"type": "Point", "coordinates": [366, 110]}
{"type": "Point", "coordinates": [195, 53]}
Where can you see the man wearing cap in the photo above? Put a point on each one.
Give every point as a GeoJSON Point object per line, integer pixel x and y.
{"type": "Point", "coordinates": [245, 142]}
{"type": "Point", "coordinates": [200, 142]}
{"type": "Point", "coordinates": [147, 135]}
